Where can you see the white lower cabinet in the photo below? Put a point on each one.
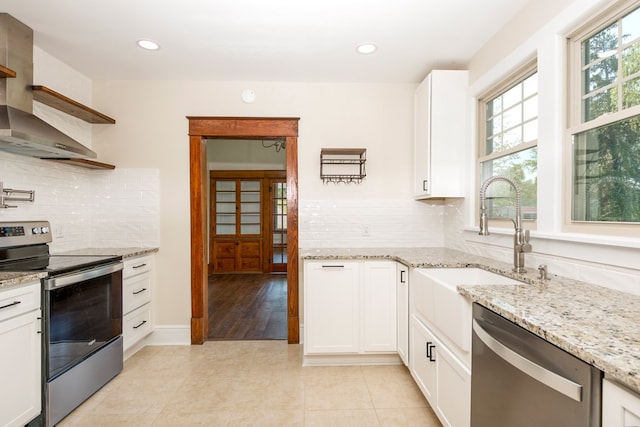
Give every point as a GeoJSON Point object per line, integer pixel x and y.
{"type": "Point", "coordinates": [20, 355]}
{"type": "Point", "coordinates": [444, 380]}
{"type": "Point", "coordinates": [137, 300]}
{"type": "Point", "coordinates": [402, 306]}
{"type": "Point", "coordinates": [349, 307]}
{"type": "Point", "coordinates": [620, 407]}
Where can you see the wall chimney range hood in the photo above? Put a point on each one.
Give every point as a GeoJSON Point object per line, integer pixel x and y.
{"type": "Point", "coordinates": [20, 131]}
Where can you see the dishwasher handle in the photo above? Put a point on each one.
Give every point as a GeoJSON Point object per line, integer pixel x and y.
{"type": "Point", "coordinates": [535, 371]}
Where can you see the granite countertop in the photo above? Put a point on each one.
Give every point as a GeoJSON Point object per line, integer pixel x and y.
{"type": "Point", "coordinates": [125, 253]}
{"type": "Point", "coordinates": [22, 278]}
{"type": "Point", "coordinates": [10, 279]}
{"type": "Point", "coordinates": [596, 324]}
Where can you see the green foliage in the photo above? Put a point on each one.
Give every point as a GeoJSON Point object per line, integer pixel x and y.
{"type": "Point", "coordinates": [607, 159]}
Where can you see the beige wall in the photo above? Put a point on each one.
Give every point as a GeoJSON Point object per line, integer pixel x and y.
{"type": "Point", "coordinates": [527, 22]}
{"type": "Point", "coordinates": [151, 131]}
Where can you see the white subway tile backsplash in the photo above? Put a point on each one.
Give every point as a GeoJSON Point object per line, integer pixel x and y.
{"type": "Point", "coordinates": [86, 208]}
{"type": "Point", "coordinates": [369, 223]}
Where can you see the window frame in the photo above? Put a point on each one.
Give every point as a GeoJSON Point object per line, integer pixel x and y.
{"type": "Point", "coordinates": [520, 74]}
{"type": "Point", "coordinates": [576, 125]}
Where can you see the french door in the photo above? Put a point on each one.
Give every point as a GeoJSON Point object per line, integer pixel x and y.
{"type": "Point", "coordinates": [248, 222]}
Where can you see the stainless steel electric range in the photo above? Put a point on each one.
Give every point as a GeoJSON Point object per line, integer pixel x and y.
{"type": "Point", "coordinates": [82, 316]}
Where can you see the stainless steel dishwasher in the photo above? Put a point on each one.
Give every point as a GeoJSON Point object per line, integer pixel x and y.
{"type": "Point", "coordinates": [520, 380]}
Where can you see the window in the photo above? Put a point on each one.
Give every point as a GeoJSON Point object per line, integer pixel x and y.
{"type": "Point", "coordinates": [605, 120]}
{"type": "Point", "coordinates": [508, 144]}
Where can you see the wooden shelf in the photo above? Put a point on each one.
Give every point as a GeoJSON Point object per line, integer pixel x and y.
{"type": "Point", "coordinates": [6, 72]}
{"type": "Point", "coordinates": [90, 164]}
{"type": "Point", "coordinates": [67, 105]}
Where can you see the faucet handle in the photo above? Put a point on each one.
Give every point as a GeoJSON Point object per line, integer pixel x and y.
{"type": "Point", "coordinates": [527, 235]}
{"type": "Point", "coordinates": [543, 271]}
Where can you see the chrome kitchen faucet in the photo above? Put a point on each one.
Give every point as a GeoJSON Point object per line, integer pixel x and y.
{"type": "Point", "coordinates": [521, 243]}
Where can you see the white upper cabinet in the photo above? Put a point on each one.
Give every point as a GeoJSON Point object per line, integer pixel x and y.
{"type": "Point", "coordinates": [439, 135]}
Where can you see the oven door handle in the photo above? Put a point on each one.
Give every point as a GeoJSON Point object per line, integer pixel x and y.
{"type": "Point", "coordinates": [62, 281]}
{"type": "Point", "coordinates": [545, 376]}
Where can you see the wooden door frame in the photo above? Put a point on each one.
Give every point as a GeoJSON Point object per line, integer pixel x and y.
{"type": "Point", "coordinates": [201, 128]}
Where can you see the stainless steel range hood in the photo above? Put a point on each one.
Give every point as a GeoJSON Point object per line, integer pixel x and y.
{"type": "Point", "coordinates": [20, 131]}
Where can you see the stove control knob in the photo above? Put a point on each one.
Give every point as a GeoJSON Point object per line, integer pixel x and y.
{"type": "Point", "coordinates": [36, 230]}
{"type": "Point", "coordinates": [45, 230]}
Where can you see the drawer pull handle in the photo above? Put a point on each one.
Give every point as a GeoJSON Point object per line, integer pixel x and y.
{"type": "Point", "coordinates": [139, 265]}
{"type": "Point", "coordinates": [140, 291]}
{"type": "Point", "coordinates": [140, 324]}
{"type": "Point", "coordinates": [430, 354]}
{"type": "Point", "coordinates": [333, 266]}
{"type": "Point", "coordinates": [11, 305]}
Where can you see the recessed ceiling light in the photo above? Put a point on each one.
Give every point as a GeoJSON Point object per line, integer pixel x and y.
{"type": "Point", "coordinates": [148, 44]}
{"type": "Point", "coordinates": [366, 48]}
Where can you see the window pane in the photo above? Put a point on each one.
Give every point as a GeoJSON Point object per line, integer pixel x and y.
{"type": "Point", "coordinates": [225, 207]}
{"type": "Point", "coordinates": [631, 26]}
{"type": "Point", "coordinates": [225, 185]}
{"type": "Point", "coordinates": [504, 125]}
{"type": "Point", "coordinates": [600, 44]}
{"type": "Point", "coordinates": [512, 96]}
{"type": "Point", "coordinates": [512, 117]}
{"type": "Point", "coordinates": [225, 229]}
{"type": "Point", "coordinates": [520, 167]}
{"type": "Point", "coordinates": [606, 175]}
{"type": "Point", "coordinates": [250, 185]}
{"type": "Point", "coordinates": [601, 103]}
{"type": "Point", "coordinates": [225, 197]}
{"type": "Point", "coordinates": [249, 229]}
{"type": "Point", "coordinates": [250, 197]}
{"type": "Point", "coordinates": [250, 207]}
{"type": "Point", "coordinates": [530, 131]}
{"type": "Point", "coordinates": [631, 93]}
{"type": "Point", "coordinates": [601, 74]}
{"type": "Point", "coordinates": [631, 60]}
{"type": "Point", "coordinates": [530, 86]}
{"type": "Point", "coordinates": [530, 109]}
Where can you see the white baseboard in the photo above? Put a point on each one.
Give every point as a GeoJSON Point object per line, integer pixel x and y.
{"type": "Point", "coordinates": [170, 335]}
{"type": "Point", "coordinates": [351, 360]}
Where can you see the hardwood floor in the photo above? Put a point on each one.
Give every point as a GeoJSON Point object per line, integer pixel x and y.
{"type": "Point", "coordinates": [247, 307]}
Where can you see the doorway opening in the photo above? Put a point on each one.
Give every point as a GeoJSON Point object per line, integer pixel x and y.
{"type": "Point", "coordinates": [247, 239]}
{"type": "Point", "coordinates": [201, 129]}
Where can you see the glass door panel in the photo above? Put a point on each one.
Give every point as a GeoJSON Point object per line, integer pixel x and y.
{"type": "Point", "coordinates": [225, 207]}
{"type": "Point", "coordinates": [278, 225]}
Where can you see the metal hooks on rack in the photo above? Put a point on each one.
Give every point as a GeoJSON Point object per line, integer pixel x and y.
{"type": "Point", "coordinates": [6, 195]}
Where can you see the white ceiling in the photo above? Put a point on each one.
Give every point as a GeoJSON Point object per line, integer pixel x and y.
{"type": "Point", "coordinates": [263, 40]}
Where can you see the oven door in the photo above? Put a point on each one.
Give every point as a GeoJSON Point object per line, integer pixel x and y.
{"type": "Point", "coordinates": [83, 312]}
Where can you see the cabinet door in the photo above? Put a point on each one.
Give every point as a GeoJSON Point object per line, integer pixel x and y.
{"type": "Point", "coordinates": [331, 294]}
{"type": "Point", "coordinates": [620, 407]}
{"type": "Point", "coordinates": [453, 393]}
{"type": "Point", "coordinates": [380, 315]}
{"type": "Point", "coordinates": [439, 135]}
{"type": "Point", "coordinates": [422, 361]}
{"type": "Point", "coordinates": [20, 369]}
{"type": "Point", "coordinates": [402, 295]}
{"type": "Point", "coordinates": [422, 140]}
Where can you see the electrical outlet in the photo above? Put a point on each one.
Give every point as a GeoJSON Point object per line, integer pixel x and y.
{"type": "Point", "coordinates": [365, 230]}
{"type": "Point", "coordinates": [58, 231]}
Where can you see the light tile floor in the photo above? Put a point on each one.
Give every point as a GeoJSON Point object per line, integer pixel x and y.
{"type": "Point", "coordinates": [251, 383]}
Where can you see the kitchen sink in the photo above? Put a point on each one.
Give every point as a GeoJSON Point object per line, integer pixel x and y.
{"type": "Point", "coordinates": [452, 277]}
{"type": "Point", "coordinates": [436, 300]}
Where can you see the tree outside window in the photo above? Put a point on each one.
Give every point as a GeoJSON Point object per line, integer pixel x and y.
{"type": "Point", "coordinates": [606, 156]}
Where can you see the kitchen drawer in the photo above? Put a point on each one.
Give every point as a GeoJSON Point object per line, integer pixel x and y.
{"type": "Point", "coordinates": [136, 291]}
{"type": "Point", "coordinates": [136, 266]}
{"type": "Point", "coordinates": [19, 300]}
{"type": "Point", "coordinates": [136, 325]}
